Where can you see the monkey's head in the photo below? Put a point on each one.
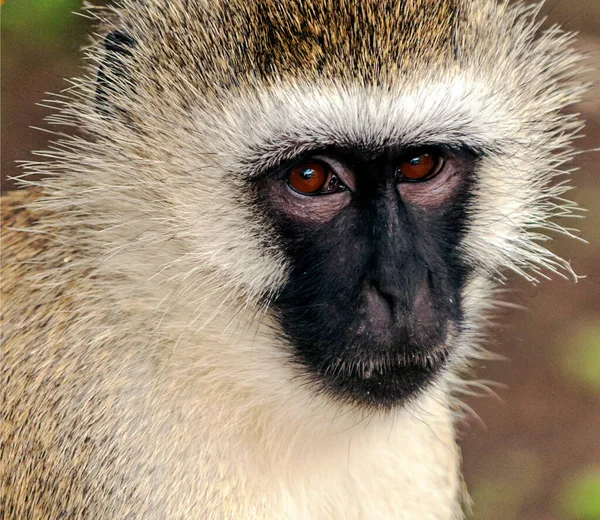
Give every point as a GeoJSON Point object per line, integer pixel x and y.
{"type": "Point", "coordinates": [358, 173]}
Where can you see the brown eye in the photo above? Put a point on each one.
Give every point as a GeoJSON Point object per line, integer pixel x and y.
{"type": "Point", "coordinates": [420, 167]}
{"type": "Point", "coordinates": [312, 178]}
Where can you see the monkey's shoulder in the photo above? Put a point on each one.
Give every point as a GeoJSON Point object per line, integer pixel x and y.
{"type": "Point", "coordinates": [30, 259]}
{"type": "Point", "coordinates": [20, 241]}
{"type": "Point", "coordinates": [41, 371]}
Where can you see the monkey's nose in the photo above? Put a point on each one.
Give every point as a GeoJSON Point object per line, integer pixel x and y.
{"type": "Point", "coordinates": [377, 305]}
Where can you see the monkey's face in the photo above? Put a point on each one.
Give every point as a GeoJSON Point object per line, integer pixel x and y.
{"type": "Point", "coordinates": [363, 171]}
{"type": "Point", "coordinates": [373, 237]}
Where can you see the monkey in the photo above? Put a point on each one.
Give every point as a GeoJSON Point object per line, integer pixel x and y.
{"type": "Point", "coordinates": [254, 282]}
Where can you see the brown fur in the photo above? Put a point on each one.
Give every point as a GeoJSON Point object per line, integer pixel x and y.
{"type": "Point", "coordinates": [267, 39]}
{"type": "Point", "coordinates": [35, 452]}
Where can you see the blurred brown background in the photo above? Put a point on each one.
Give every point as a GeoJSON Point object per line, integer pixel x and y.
{"type": "Point", "coordinates": [535, 452]}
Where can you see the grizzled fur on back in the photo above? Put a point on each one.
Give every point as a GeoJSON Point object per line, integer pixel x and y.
{"type": "Point", "coordinates": [143, 375]}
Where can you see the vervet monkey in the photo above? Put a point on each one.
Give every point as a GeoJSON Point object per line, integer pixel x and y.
{"type": "Point", "coordinates": [250, 286]}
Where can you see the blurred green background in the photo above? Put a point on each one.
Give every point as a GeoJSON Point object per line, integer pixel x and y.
{"type": "Point", "coordinates": [538, 455]}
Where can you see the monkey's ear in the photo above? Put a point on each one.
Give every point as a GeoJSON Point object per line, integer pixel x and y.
{"type": "Point", "coordinates": [113, 77]}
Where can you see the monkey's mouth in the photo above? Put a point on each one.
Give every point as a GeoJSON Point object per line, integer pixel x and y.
{"type": "Point", "coordinates": [381, 377]}
{"type": "Point", "coordinates": [380, 353]}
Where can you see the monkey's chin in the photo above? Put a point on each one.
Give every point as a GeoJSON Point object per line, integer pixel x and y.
{"type": "Point", "coordinates": [383, 383]}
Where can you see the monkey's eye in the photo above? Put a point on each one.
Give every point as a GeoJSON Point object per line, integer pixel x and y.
{"type": "Point", "coordinates": [420, 167]}
{"type": "Point", "coordinates": [313, 178]}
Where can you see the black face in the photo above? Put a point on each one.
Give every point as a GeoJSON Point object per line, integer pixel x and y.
{"type": "Point", "coordinates": [374, 294]}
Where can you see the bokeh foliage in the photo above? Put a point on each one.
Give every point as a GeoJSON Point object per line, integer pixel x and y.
{"type": "Point", "coordinates": [50, 18]}
{"type": "Point", "coordinates": [581, 497]}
